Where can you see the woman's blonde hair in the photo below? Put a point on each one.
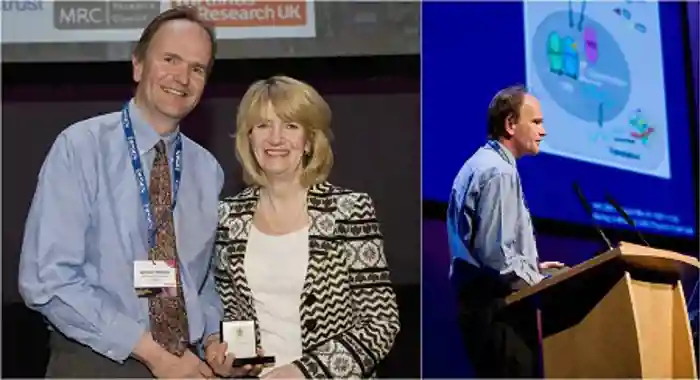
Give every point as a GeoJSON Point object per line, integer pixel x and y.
{"type": "Point", "coordinates": [293, 102]}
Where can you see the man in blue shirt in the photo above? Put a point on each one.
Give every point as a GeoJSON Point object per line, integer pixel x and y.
{"type": "Point", "coordinates": [125, 200]}
{"type": "Point", "coordinates": [491, 237]}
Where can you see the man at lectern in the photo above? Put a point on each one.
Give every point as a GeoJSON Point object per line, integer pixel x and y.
{"type": "Point", "coordinates": [491, 236]}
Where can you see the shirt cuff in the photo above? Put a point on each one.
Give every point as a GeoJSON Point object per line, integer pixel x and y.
{"type": "Point", "coordinates": [212, 326]}
{"type": "Point", "coordinates": [121, 337]}
{"type": "Point", "coordinates": [203, 342]}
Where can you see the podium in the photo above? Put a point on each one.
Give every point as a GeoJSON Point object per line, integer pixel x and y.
{"type": "Point", "coordinates": [621, 314]}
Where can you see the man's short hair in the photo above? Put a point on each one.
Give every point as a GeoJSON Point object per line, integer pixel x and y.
{"type": "Point", "coordinates": [184, 12]}
{"type": "Point", "coordinates": [504, 106]}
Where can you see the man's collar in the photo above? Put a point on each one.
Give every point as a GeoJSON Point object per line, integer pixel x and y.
{"type": "Point", "coordinates": [146, 136]}
{"type": "Point", "coordinates": [507, 152]}
{"type": "Point", "coordinates": [503, 151]}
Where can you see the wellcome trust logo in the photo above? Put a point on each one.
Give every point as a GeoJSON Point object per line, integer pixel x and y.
{"type": "Point", "coordinates": [250, 13]}
{"type": "Point", "coordinates": [22, 5]}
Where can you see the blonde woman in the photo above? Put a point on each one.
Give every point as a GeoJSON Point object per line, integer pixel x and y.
{"type": "Point", "coordinates": [300, 257]}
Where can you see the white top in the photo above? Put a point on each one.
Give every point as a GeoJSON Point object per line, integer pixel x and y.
{"type": "Point", "coordinates": [275, 266]}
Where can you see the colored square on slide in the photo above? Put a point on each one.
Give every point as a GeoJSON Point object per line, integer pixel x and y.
{"type": "Point", "coordinates": [604, 101]}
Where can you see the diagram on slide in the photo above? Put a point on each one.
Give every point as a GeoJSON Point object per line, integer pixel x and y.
{"type": "Point", "coordinates": [597, 68]}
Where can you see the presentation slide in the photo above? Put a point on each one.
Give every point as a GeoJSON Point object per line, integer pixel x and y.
{"type": "Point", "coordinates": [611, 77]}
{"type": "Point", "coordinates": [603, 96]}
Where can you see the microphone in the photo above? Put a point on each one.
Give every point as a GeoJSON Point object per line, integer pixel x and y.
{"type": "Point", "coordinates": [589, 210]}
{"type": "Point", "coordinates": [625, 216]}
{"type": "Point", "coordinates": [695, 290]}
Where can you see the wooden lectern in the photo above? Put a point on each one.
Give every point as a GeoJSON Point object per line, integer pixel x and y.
{"type": "Point", "coordinates": [621, 314]}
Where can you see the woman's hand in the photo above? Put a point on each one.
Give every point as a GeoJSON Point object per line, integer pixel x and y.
{"type": "Point", "coordinates": [222, 362]}
{"type": "Point", "coordinates": [287, 371]}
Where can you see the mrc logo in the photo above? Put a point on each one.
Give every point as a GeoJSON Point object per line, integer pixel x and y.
{"type": "Point", "coordinates": [83, 15]}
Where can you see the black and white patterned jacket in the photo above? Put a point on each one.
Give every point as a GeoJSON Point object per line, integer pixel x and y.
{"type": "Point", "coordinates": [349, 316]}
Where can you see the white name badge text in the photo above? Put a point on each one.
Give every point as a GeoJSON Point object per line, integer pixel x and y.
{"type": "Point", "coordinates": [155, 274]}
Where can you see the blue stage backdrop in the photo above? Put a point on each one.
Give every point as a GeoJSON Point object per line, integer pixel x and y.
{"type": "Point", "coordinates": [694, 37]}
{"type": "Point", "coordinates": [611, 77]}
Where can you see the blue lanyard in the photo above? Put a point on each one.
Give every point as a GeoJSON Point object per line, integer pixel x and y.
{"type": "Point", "coordinates": [141, 178]}
{"type": "Point", "coordinates": [497, 147]}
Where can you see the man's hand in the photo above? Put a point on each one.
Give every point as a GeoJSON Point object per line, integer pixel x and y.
{"type": "Point", "coordinates": [222, 362]}
{"type": "Point", "coordinates": [188, 366]}
{"type": "Point", "coordinates": [552, 268]}
{"type": "Point", "coordinates": [552, 265]}
{"type": "Point", "coordinates": [287, 371]}
{"type": "Point", "coordinates": [163, 364]}
{"type": "Point", "coordinates": [216, 357]}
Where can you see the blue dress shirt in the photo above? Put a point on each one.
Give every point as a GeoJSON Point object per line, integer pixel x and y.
{"type": "Point", "coordinates": [488, 223]}
{"type": "Point", "coordinates": [86, 228]}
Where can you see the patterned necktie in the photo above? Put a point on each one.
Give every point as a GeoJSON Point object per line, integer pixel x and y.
{"type": "Point", "coordinates": [167, 312]}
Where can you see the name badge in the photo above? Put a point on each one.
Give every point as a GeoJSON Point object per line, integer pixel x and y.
{"type": "Point", "coordinates": [153, 276]}
{"type": "Point", "coordinates": [240, 338]}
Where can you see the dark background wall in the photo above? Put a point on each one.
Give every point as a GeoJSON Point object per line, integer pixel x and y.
{"type": "Point", "coordinates": [376, 122]}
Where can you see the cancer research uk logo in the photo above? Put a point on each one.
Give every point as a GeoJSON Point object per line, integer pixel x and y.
{"type": "Point", "coordinates": [250, 13]}
{"type": "Point", "coordinates": [85, 15]}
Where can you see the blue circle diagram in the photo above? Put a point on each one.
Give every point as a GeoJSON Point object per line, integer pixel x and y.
{"type": "Point", "coordinates": [581, 66]}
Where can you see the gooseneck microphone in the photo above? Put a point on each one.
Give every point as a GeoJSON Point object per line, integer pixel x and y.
{"type": "Point", "coordinates": [589, 210]}
{"type": "Point", "coordinates": [625, 216]}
